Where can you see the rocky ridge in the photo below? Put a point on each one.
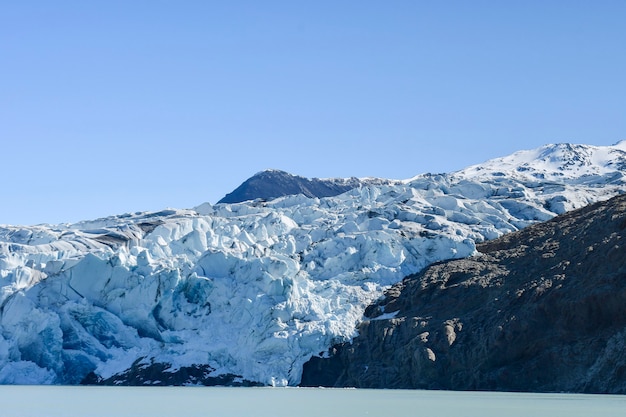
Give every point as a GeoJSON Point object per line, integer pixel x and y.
{"type": "Point", "coordinates": [274, 183]}
{"type": "Point", "coordinates": [542, 309]}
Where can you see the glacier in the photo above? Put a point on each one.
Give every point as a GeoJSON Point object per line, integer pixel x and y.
{"type": "Point", "coordinates": [255, 289]}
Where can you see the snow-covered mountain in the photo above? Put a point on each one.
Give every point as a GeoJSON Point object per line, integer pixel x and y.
{"type": "Point", "coordinates": [254, 289]}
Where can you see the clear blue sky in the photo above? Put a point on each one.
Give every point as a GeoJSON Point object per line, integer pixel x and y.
{"type": "Point", "coordinates": [109, 107]}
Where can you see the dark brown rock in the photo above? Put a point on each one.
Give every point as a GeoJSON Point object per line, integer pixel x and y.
{"type": "Point", "coordinates": [270, 184]}
{"type": "Point", "coordinates": [147, 372]}
{"type": "Point", "coordinates": [543, 309]}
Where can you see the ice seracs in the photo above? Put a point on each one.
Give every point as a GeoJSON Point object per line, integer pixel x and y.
{"type": "Point", "coordinates": [255, 288]}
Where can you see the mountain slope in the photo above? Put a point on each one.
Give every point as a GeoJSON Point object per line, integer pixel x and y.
{"type": "Point", "coordinates": [248, 292]}
{"type": "Point", "coordinates": [556, 163]}
{"type": "Point", "coordinates": [543, 309]}
{"type": "Point", "coordinates": [271, 183]}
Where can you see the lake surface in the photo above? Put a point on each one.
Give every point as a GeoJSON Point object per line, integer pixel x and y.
{"type": "Point", "coordinates": [53, 401]}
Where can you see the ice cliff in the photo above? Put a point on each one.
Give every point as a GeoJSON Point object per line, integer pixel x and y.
{"type": "Point", "coordinates": [541, 310]}
{"type": "Point", "coordinates": [254, 289]}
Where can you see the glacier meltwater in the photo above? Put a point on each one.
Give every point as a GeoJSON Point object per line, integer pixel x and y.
{"type": "Point", "coordinates": [253, 290]}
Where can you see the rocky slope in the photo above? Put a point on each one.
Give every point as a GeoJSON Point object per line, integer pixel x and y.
{"type": "Point", "coordinates": [542, 309]}
{"type": "Point", "coordinates": [273, 183]}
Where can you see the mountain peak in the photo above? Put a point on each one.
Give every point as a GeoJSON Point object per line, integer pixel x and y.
{"type": "Point", "coordinates": [560, 160]}
{"type": "Point", "coordinates": [273, 183]}
{"type": "Point", "coordinates": [273, 172]}
{"type": "Point", "coordinates": [621, 145]}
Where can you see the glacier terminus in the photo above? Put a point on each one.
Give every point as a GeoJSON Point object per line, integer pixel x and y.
{"type": "Point", "coordinates": [254, 289]}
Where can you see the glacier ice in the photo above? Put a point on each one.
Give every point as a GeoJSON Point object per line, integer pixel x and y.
{"type": "Point", "coordinates": [256, 288]}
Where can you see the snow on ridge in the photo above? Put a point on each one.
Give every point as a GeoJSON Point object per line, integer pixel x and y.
{"type": "Point", "coordinates": [256, 288]}
{"type": "Point", "coordinates": [621, 145]}
{"type": "Point", "coordinates": [549, 162]}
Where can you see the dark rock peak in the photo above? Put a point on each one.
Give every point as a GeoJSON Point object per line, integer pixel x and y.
{"type": "Point", "coordinates": [273, 183]}
{"type": "Point", "coordinates": [542, 309]}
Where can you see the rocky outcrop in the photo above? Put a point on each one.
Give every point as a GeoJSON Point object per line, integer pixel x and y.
{"type": "Point", "coordinates": [148, 372]}
{"type": "Point", "coordinates": [543, 309]}
{"type": "Point", "coordinates": [272, 183]}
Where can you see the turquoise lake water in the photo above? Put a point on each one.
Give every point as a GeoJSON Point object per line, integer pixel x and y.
{"type": "Point", "coordinates": [53, 401]}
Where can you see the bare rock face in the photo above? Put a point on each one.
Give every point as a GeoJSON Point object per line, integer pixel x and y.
{"type": "Point", "coordinates": [146, 372]}
{"type": "Point", "coordinates": [543, 309]}
{"type": "Point", "coordinates": [272, 183]}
